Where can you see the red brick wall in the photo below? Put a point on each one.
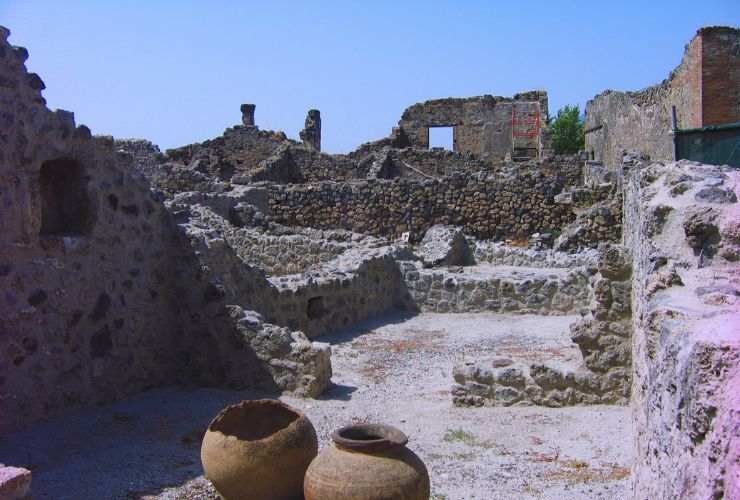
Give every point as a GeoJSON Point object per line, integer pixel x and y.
{"type": "Point", "coordinates": [720, 75]}
{"type": "Point", "coordinates": [686, 87]}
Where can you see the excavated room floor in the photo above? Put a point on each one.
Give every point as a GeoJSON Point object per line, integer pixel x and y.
{"type": "Point", "coordinates": [396, 370]}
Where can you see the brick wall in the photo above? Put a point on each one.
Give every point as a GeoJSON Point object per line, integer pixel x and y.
{"type": "Point", "coordinates": [720, 75]}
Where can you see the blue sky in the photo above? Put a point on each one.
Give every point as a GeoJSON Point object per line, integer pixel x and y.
{"type": "Point", "coordinates": [176, 72]}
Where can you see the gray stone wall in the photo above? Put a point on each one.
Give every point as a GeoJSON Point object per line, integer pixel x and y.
{"type": "Point", "coordinates": [238, 151]}
{"type": "Point", "coordinates": [103, 295]}
{"type": "Point", "coordinates": [514, 205]}
{"type": "Point", "coordinates": [603, 337]}
{"type": "Point", "coordinates": [359, 283]}
{"type": "Point", "coordinates": [496, 289]}
{"type": "Point", "coordinates": [682, 227]}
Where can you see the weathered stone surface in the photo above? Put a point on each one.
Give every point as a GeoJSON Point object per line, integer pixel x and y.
{"type": "Point", "coordinates": [444, 246]}
{"type": "Point", "coordinates": [15, 483]}
{"type": "Point", "coordinates": [311, 133]}
{"type": "Point", "coordinates": [700, 88]}
{"type": "Point", "coordinates": [685, 347]}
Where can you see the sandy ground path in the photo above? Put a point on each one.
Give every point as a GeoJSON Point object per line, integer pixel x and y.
{"type": "Point", "coordinates": [396, 370]}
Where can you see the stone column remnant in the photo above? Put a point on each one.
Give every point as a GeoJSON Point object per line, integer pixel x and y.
{"type": "Point", "coordinates": [311, 133]}
{"type": "Point", "coordinates": [248, 114]}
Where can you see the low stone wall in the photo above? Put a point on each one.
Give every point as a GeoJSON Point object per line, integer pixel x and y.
{"type": "Point", "coordinates": [502, 206]}
{"type": "Point", "coordinates": [359, 283]}
{"type": "Point", "coordinates": [284, 254]}
{"type": "Point", "coordinates": [496, 289]}
{"type": "Point", "coordinates": [603, 337]}
{"type": "Point", "coordinates": [498, 253]}
{"type": "Point", "coordinates": [601, 222]}
{"type": "Point", "coordinates": [684, 231]}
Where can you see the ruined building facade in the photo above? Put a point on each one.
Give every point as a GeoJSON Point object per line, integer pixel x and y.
{"type": "Point", "coordinates": [704, 89]}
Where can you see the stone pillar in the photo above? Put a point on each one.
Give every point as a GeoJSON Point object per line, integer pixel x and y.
{"type": "Point", "coordinates": [311, 133]}
{"type": "Point", "coordinates": [248, 114]}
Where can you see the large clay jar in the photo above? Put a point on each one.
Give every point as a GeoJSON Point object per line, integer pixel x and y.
{"type": "Point", "coordinates": [367, 462]}
{"type": "Point", "coordinates": [258, 450]}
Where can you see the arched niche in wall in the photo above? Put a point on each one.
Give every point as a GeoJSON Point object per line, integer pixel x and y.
{"type": "Point", "coordinates": [66, 208]}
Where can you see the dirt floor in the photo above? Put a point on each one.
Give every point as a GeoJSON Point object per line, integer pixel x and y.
{"type": "Point", "coordinates": [397, 370]}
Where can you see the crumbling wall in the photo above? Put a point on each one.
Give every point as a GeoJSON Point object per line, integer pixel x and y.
{"type": "Point", "coordinates": [682, 227]}
{"type": "Point", "coordinates": [501, 206]}
{"type": "Point", "coordinates": [703, 88]}
{"type": "Point", "coordinates": [103, 295]}
{"type": "Point", "coordinates": [87, 307]}
{"type": "Point", "coordinates": [502, 289]}
{"type": "Point", "coordinates": [482, 125]}
{"type": "Point", "coordinates": [359, 283]}
{"type": "Point", "coordinates": [603, 336]}
{"type": "Point", "coordinates": [238, 151]}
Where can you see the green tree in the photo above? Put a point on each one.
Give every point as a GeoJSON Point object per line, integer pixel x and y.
{"type": "Point", "coordinates": [567, 131]}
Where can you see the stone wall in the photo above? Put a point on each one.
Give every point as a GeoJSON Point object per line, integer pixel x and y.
{"type": "Point", "coordinates": [501, 289]}
{"type": "Point", "coordinates": [482, 125]}
{"type": "Point", "coordinates": [359, 283]}
{"type": "Point", "coordinates": [514, 205]}
{"type": "Point", "coordinates": [289, 253]}
{"type": "Point", "coordinates": [682, 227]}
{"type": "Point", "coordinates": [720, 75]}
{"type": "Point", "coordinates": [602, 335]}
{"type": "Point", "coordinates": [238, 151]}
{"type": "Point", "coordinates": [103, 295]}
{"type": "Point", "coordinates": [703, 88]}
{"type": "Point", "coordinates": [87, 308]}
{"type": "Point", "coordinates": [501, 254]}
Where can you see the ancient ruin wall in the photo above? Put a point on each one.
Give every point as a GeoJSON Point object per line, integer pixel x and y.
{"type": "Point", "coordinates": [87, 309]}
{"type": "Point", "coordinates": [482, 125]}
{"type": "Point", "coordinates": [720, 75]}
{"type": "Point", "coordinates": [618, 121]}
{"type": "Point", "coordinates": [511, 206]}
{"type": "Point", "coordinates": [703, 88]}
{"type": "Point", "coordinates": [103, 295]}
{"type": "Point", "coordinates": [682, 225]}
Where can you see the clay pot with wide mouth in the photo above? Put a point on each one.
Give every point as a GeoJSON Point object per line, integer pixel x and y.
{"type": "Point", "coordinates": [259, 450]}
{"type": "Point", "coordinates": [367, 462]}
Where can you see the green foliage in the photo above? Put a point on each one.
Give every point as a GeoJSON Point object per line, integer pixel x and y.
{"type": "Point", "coordinates": [567, 131]}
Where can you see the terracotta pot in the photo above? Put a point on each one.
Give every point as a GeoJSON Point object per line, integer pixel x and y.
{"type": "Point", "coordinates": [258, 450]}
{"type": "Point", "coordinates": [367, 462]}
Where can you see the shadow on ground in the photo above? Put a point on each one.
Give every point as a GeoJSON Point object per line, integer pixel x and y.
{"type": "Point", "coordinates": [127, 449]}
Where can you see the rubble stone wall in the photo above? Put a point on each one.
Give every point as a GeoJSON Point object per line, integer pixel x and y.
{"type": "Point", "coordinates": [504, 290]}
{"type": "Point", "coordinates": [87, 308]}
{"type": "Point", "coordinates": [683, 228]}
{"type": "Point", "coordinates": [102, 294]}
{"type": "Point", "coordinates": [482, 125]}
{"type": "Point", "coordinates": [238, 151]}
{"type": "Point", "coordinates": [603, 336]}
{"type": "Point", "coordinates": [359, 283]}
{"type": "Point", "coordinates": [501, 254]}
{"type": "Point", "coordinates": [284, 254]}
{"type": "Point", "coordinates": [511, 206]}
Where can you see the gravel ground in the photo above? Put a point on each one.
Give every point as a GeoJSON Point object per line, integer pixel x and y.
{"type": "Point", "coordinates": [397, 370]}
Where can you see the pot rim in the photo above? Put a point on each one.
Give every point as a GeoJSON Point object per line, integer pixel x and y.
{"type": "Point", "coordinates": [257, 402]}
{"type": "Point", "coordinates": [378, 437]}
